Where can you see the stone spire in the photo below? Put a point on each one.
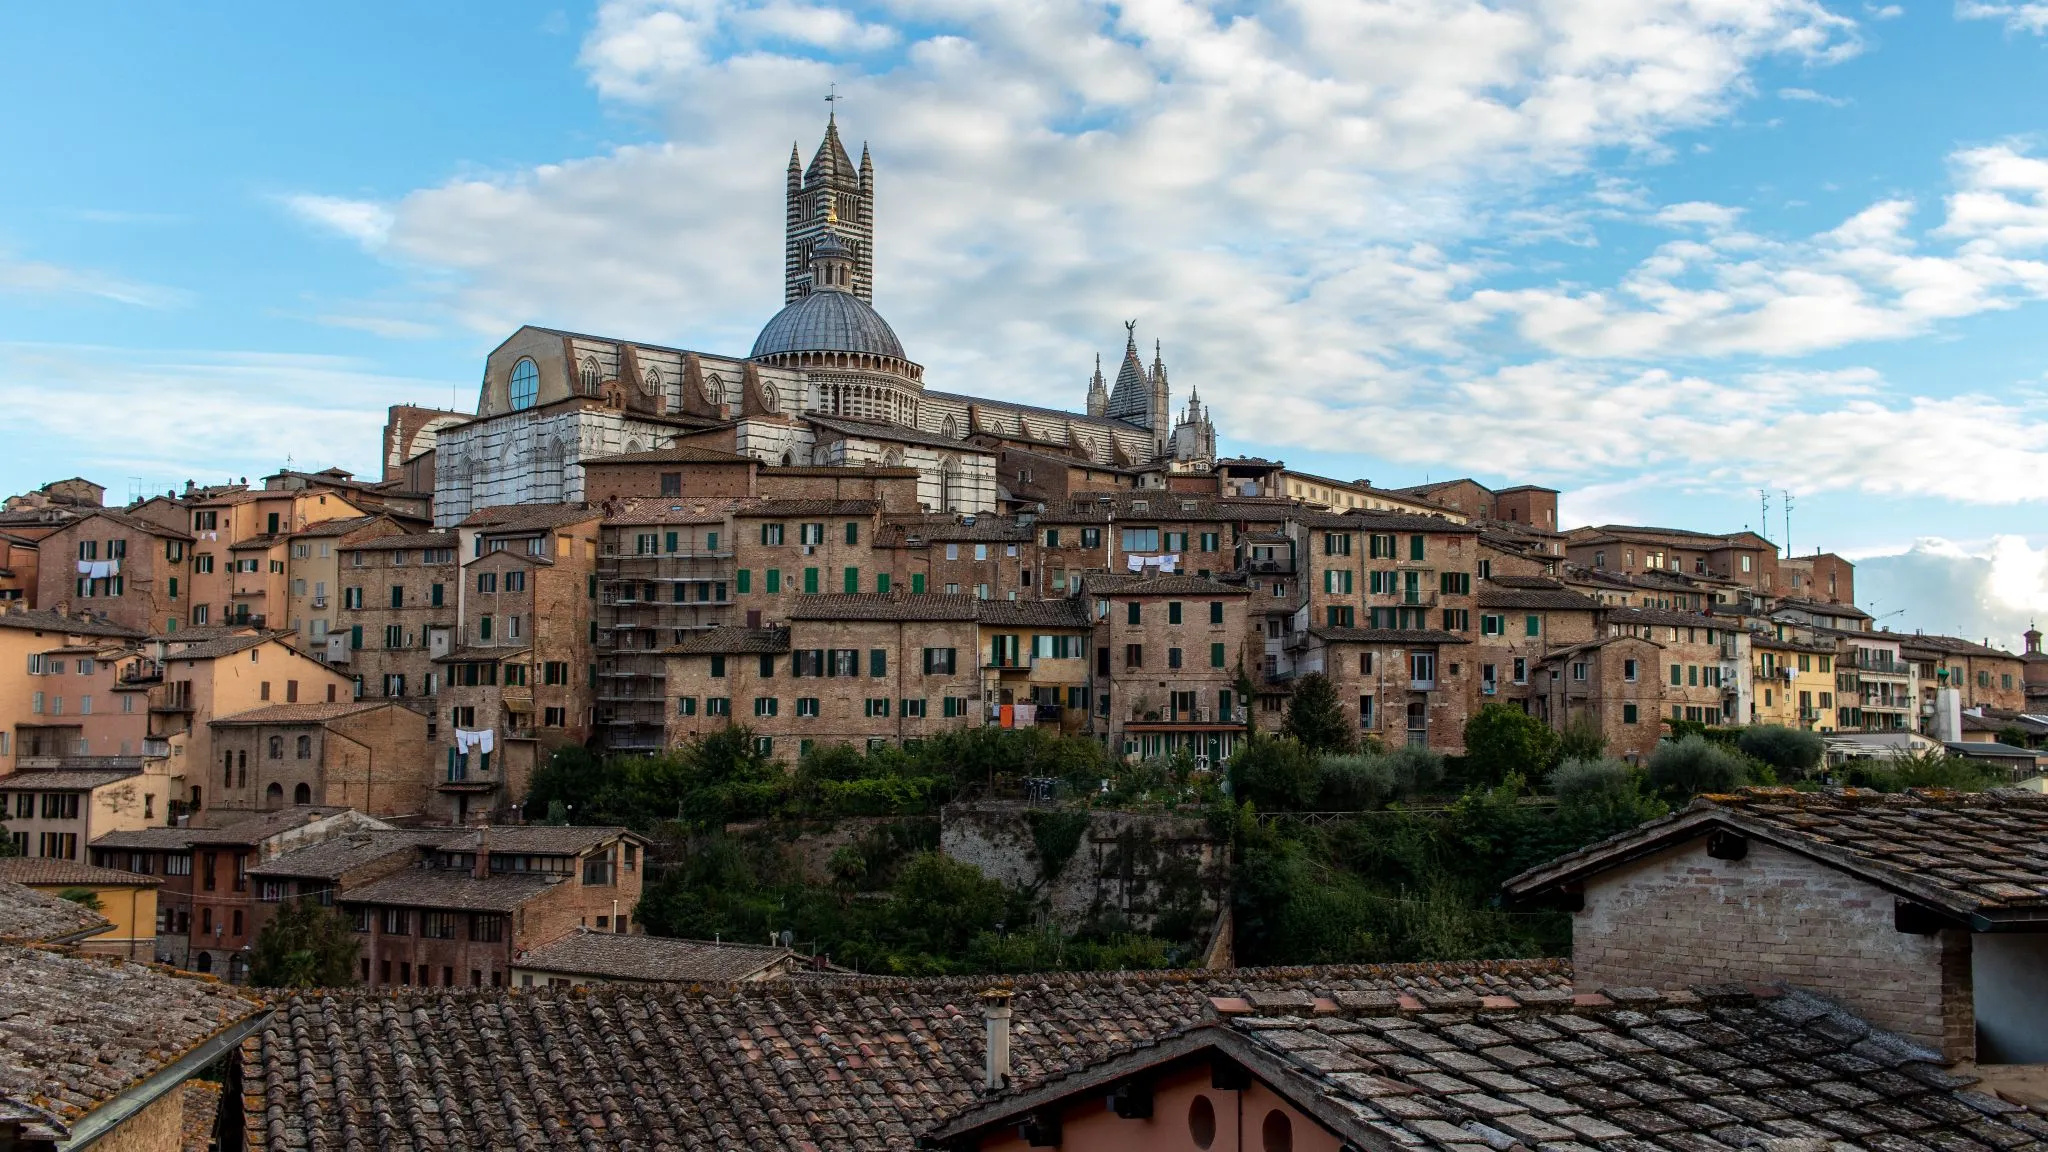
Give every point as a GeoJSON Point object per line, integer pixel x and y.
{"type": "Point", "coordinates": [1131, 399]}
{"type": "Point", "coordinates": [1098, 391]}
{"type": "Point", "coordinates": [831, 186]}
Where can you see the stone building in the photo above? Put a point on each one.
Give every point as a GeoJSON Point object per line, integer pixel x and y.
{"type": "Point", "coordinates": [1522, 619]}
{"type": "Point", "coordinates": [1169, 653]}
{"type": "Point", "coordinates": [1706, 670]}
{"type": "Point", "coordinates": [313, 570]}
{"type": "Point", "coordinates": [60, 688]}
{"type": "Point", "coordinates": [395, 613]}
{"type": "Point", "coordinates": [827, 382]}
{"type": "Point", "coordinates": [1612, 683]}
{"type": "Point", "coordinates": [128, 569]}
{"type": "Point", "coordinates": [1745, 558]}
{"type": "Point", "coordinates": [370, 755]}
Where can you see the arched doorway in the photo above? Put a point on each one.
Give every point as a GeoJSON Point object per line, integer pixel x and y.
{"type": "Point", "coordinates": [273, 796]}
{"type": "Point", "coordinates": [204, 963]}
{"type": "Point", "coordinates": [303, 794]}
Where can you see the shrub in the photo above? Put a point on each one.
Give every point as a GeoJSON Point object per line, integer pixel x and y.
{"type": "Point", "coordinates": [1416, 769]}
{"type": "Point", "coordinates": [1922, 770]}
{"type": "Point", "coordinates": [1581, 739]}
{"type": "Point", "coordinates": [1275, 774]}
{"type": "Point", "coordinates": [1502, 740]}
{"type": "Point", "coordinates": [1694, 765]}
{"type": "Point", "coordinates": [1579, 780]}
{"type": "Point", "coordinates": [1356, 783]}
{"type": "Point", "coordinates": [1791, 749]}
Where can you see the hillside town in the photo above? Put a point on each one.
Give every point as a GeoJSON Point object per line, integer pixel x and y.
{"type": "Point", "coordinates": [228, 705]}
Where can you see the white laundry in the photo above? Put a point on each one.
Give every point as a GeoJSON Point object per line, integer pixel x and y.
{"type": "Point", "coordinates": [1135, 563]}
{"type": "Point", "coordinates": [1022, 714]}
{"type": "Point", "coordinates": [1169, 563]}
{"type": "Point", "coordinates": [483, 740]}
{"type": "Point", "coordinates": [85, 567]}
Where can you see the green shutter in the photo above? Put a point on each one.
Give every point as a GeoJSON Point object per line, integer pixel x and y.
{"type": "Point", "coordinates": [852, 575]}
{"type": "Point", "coordinates": [1415, 547]}
{"type": "Point", "coordinates": [810, 581]}
{"type": "Point", "coordinates": [852, 532]}
{"type": "Point", "coordinates": [355, 636]}
{"type": "Point", "coordinates": [745, 578]}
{"type": "Point", "coordinates": [592, 593]}
{"type": "Point", "coordinates": [917, 583]}
{"type": "Point", "coordinates": [1215, 655]}
{"type": "Point", "coordinates": [882, 583]}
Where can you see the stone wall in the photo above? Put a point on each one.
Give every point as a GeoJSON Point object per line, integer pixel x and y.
{"type": "Point", "coordinates": [1128, 868]}
{"type": "Point", "coordinates": [1682, 917]}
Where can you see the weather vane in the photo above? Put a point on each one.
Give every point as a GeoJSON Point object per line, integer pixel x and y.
{"type": "Point", "coordinates": [831, 99]}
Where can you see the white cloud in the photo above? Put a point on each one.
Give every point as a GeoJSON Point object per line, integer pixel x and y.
{"type": "Point", "coordinates": [363, 221]}
{"type": "Point", "coordinates": [1809, 96]}
{"type": "Point", "coordinates": [1992, 589]}
{"type": "Point", "coordinates": [2028, 16]}
{"type": "Point", "coordinates": [250, 410]}
{"type": "Point", "coordinates": [33, 278]}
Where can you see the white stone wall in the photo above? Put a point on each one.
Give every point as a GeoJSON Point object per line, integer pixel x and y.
{"type": "Point", "coordinates": [530, 457]}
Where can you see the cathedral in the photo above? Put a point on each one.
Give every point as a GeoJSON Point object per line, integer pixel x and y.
{"type": "Point", "coordinates": [827, 382]}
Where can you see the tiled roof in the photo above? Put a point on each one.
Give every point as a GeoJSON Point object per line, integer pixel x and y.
{"type": "Point", "coordinates": [1389, 635]}
{"type": "Point", "coordinates": [1366, 520]}
{"type": "Point", "coordinates": [406, 540]}
{"type": "Point", "coordinates": [731, 638]}
{"type": "Point", "coordinates": [542, 839]}
{"type": "Point", "coordinates": [44, 870]}
{"type": "Point", "coordinates": [341, 527]}
{"type": "Point", "coordinates": [1972, 854]}
{"type": "Point", "coordinates": [1954, 645]}
{"type": "Point", "coordinates": [766, 509]}
{"type": "Point", "coordinates": [213, 649]}
{"type": "Point", "coordinates": [45, 620]}
{"type": "Point", "coordinates": [136, 523]}
{"type": "Point", "coordinates": [771, 471]}
{"type": "Point", "coordinates": [28, 917]}
{"type": "Point", "coordinates": [856, 1066]}
{"type": "Point", "coordinates": [65, 779]}
{"type": "Point", "coordinates": [488, 654]}
{"type": "Point", "coordinates": [923, 606]}
{"type": "Point", "coordinates": [895, 530]}
{"type": "Point", "coordinates": [613, 956]}
{"type": "Point", "coordinates": [1166, 507]}
{"type": "Point", "coordinates": [332, 857]}
{"type": "Point", "coordinates": [80, 1031]}
{"type": "Point", "coordinates": [1175, 585]}
{"type": "Point", "coordinates": [259, 543]}
{"type": "Point", "coordinates": [1555, 598]}
{"type": "Point", "coordinates": [1666, 617]}
{"type": "Point", "coordinates": [146, 839]}
{"type": "Point", "coordinates": [898, 433]}
{"type": "Point", "coordinates": [632, 510]}
{"type": "Point", "coordinates": [1067, 612]}
{"type": "Point", "coordinates": [1543, 583]}
{"type": "Point", "coordinates": [527, 517]}
{"type": "Point", "coordinates": [264, 825]}
{"type": "Point", "coordinates": [1721, 1067]}
{"type": "Point", "coordinates": [1818, 608]}
{"type": "Point", "coordinates": [304, 713]}
{"type": "Point", "coordinates": [456, 891]}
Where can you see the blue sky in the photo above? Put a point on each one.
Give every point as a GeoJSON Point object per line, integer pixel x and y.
{"type": "Point", "coordinates": [1658, 255]}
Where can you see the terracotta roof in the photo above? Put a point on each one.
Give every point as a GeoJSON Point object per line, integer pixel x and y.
{"type": "Point", "coordinates": [898, 433]}
{"type": "Point", "coordinates": [852, 1066]}
{"type": "Point", "coordinates": [1954, 645]}
{"type": "Point", "coordinates": [541, 839]}
{"type": "Point", "coordinates": [1719, 1067]}
{"type": "Point", "coordinates": [451, 890]}
{"type": "Point", "coordinates": [332, 857]}
{"type": "Point", "coordinates": [259, 543]}
{"type": "Point", "coordinates": [81, 1031]}
{"type": "Point", "coordinates": [213, 649]}
{"type": "Point", "coordinates": [612, 956]}
{"type": "Point", "coordinates": [40, 870]}
{"type": "Point", "coordinates": [1556, 598]}
{"type": "Point", "coordinates": [45, 620]}
{"type": "Point", "coordinates": [1818, 608]}
{"type": "Point", "coordinates": [261, 826]}
{"type": "Point", "coordinates": [631, 510]}
{"type": "Point", "coordinates": [1971, 854]}
{"type": "Point", "coordinates": [780, 508]}
{"type": "Point", "coordinates": [1389, 635]}
{"type": "Point", "coordinates": [1544, 583]}
{"type": "Point", "coordinates": [406, 540]}
{"type": "Point", "coordinates": [1368, 520]}
{"type": "Point", "coordinates": [1666, 617]}
{"type": "Point", "coordinates": [1166, 507]}
{"type": "Point", "coordinates": [340, 527]}
{"type": "Point", "coordinates": [28, 917]}
{"type": "Point", "coordinates": [1067, 612]}
{"type": "Point", "coordinates": [1172, 585]}
{"type": "Point", "coordinates": [932, 606]}
{"type": "Point", "coordinates": [731, 638]}
{"type": "Point", "coordinates": [147, 839]}
{"type": "Point", "coordinates": [65, 779]}
{"type": "Point", "coordinates": [895, 530]}
{"type": "Point", "coordinates": [490, 654]}
{"type": "Point", "coordinates": [527, 517]}
{"type": "Point", "coordinates": [136, 523]}
{"type": "Point", "coordinates": [304, 713]}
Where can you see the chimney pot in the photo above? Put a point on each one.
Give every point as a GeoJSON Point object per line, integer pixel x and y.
{"type": "Point", "coordinates": [995, 1012]}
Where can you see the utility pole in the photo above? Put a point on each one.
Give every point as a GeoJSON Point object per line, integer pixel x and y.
{"type": "Point", "coordinates": [1788, 521]}
{"type": "Point", "coordinates": [1764, 523]}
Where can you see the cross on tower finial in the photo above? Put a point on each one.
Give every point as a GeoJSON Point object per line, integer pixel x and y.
{"type": "Point", "coordinates": [831, 102]}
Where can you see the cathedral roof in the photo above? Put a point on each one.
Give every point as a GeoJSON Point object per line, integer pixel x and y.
{"type": "Point", "coordinates": [829, 320]}
{"type": "Point", "coordinates": [831, 159]}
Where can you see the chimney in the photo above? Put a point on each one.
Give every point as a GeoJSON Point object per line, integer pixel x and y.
{"type": "Point", "coordinates": [995, 1012]}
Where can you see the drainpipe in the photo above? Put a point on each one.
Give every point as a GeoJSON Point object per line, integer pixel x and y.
{"type": "Point", "coordinates": [995, 1013]}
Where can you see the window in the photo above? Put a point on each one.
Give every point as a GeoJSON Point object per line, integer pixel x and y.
{"type": "Point", "coordinates": [1628, 711]}
{"type": "Point", "coordinates": [771, 534]}
{"type": "Point", "coordinates": [1340, 616]}
{"type": "Point", "coordinates": [718, 705]}
{"type": "Point", "coordinates": [1532, 625]}
{"type": "Point", "coordinates": [351, 597]}
{"type": "Point", "coordinates": [852, 580]}
{"type": "Point", "coordinates": [939, 661]}
{"type": "Point", "coordinates": [1491, 624]}
{"type": "Point", "coordinates": [1134, 655]}
{"type": "Point", "coordinates": [397, 922]}
{"type": "Point", "coordinates": [1628, 670]}
{"type": "Point", "coordinates": [437, 925]}
{"type": "Point", "coordinates": [1336, 543]}
{"type": "Point", "coordinates": [913, 708]}
{"type": "Point", "coordinates": [1132, 614]}
{"type": "Point", "coordinates": [1091, 537]}
{"type": "Point", "coordinates": [1457, 620]}
{"type": "Point", "coordinates": [766, 706]}
{"type": "Point", "coordinates": [1337, 582]}
{"type": "Point", "coordinates": [1416, 548]}
{"type": "Point", "coordinates": [807, 706]}
{"type": "Point", "coordinates": [524, 387]}
{"type": "Point", "coordinates": [1141, 539]}
{"type": "Point", "coordinates": [1454, 583]}
{"type": "Point", "coordinates": [1677, 675]}
{"type": "Point", "coordinates": [878, 662]}
{"type": "Point", "coordinates": [1173, 657]}
{"type": "Point", "coordinates": [878, 706]}
{"type": "Point", "coordinates": [1215, 655]}
{"type": "Point", "coordinates": [810, 533]}
{"type": "Point", "coordinates": [1173, 611]}
{"type": "Point", "coordinates": [954, 706]}
{"type": "Point", "coordinates": [810, 581]}
{"type": "Point", "coordinates": [1422, 667]}
{"type": "Point", "coordinates": [718, 667]}
{"type": "Point", "coordinates": [1580, 669]}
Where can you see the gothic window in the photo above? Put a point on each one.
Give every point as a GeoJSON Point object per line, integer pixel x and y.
{"type": "Point", "coordinates": [593, 376]}
{"type": "Point", "coordinates": [525, 386]}
{"type": "Point", "coordinates": [949, 430]}
{"type": "Point", "coordinates": [650, 382]}
{"type": "Point", "coordinates": [632, 445]}
{"type": "Point", "coordinates": [767, 398]}
{"type": "Point", "coordinates": [714, 389]}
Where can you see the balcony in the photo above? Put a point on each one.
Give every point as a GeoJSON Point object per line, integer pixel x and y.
{"type": "Point", "coordinates": [319, 601]}
{"type": "Point", "coordinates": [171, 697]}
{"type": "Point", "coordinates": [1272, 567]}
{"type": "Point", "coordinates": [1416, 684]}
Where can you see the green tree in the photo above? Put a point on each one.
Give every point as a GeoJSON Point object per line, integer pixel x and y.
{"type": "Point", "coordinates": [1581, 739]}
{"type": "Point", "coordinates": [82, 896]}
{"type": "Point", "coordinates": [1315, 717]}
{"type": "Point", "coordinates": [1693, 765]}
{"type": "Point", "coordinates": [1794, 750]}
{"type": "Point", "coordinates": [1501, 740]}
{"type": "Point", "coordinates": [304, 946]}
{"type": "Point", "coordinates": [1275, 774]}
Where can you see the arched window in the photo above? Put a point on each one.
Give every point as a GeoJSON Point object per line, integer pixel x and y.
{"type": "Point", "coordinates": [205, 963]}
{"type": "Point", "coordinates": [632, 445]}
{"type": "Point", "coordinates": [593, 376]}
{"type": "Point", "coordinates": [650, 381]}
{"type": "Point", "coordinates": [227, 769]}
{"type": "Point", "coordinates": [273, 796]}
{"type": "Point", "coordinates": [277, 747]}
{"type": "Point", "coordinates": [525, 385]}
{"type": "Point", "coordinates": [242, 761]}
{"type": "Point", "coordinates": [305, 747]}
{"type": "Point", "coordinates": [303, 794]}
{"type": "Point", "coordinates": [714, 389]}
{"type": "Point", "coordinates": [768, 401]}
{"type": "Point", "coordinates": [949, 430]}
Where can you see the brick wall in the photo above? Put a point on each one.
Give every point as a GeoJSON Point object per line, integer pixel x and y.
{"type": "Point", "coordinates": [1682, 917]}
{"type": "Point", "coordinates": [146, 578]}
{"type": "Point", "coordinates": [416, 618]}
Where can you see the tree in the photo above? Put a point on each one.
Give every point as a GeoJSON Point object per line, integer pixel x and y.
{"type": "Point", "coordinates": [1275, 774]}
{"type": "Point", "coordinates": [304, 946]}
{"type": "Point", "coordinates": [1694, 765]}
{"type": "Point", "coordinates": [85, 897]}
{"type": "Point", "coordinates": [1316, 718]}
{"type": "Point", "coordinates": [1502, 740]}
{"type": "Point", "coordinates": [1792, 749]}
{"type": "Point", "coordinates": [1581, 739]}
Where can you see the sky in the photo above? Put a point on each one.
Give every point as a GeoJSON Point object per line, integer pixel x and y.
{"type": "Point", "coordinates": [1663, 256]}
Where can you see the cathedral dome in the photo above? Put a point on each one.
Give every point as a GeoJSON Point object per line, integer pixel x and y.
{"type": "Point", "coordinates": [829, 320]}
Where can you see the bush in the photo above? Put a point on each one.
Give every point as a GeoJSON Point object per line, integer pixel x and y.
{"type": "Point", "coordinates": [1356, 783]}
{"type": "Point", "coordinates": [1275, 774]}
{"type": "Point", "coordinates": [1581, 739]}
{"type": "Point", "coordinates": [1694, 765]}
{"type": "Point", "coordinates": [1791, 749]}
{"type": "Point", "coordinates": [304, 946]}
{"type": "Point", "coordinates": [1922, 770]}
{"type": "Point", "coordinates": [1577, 781]}
{"type": "Point", "coordinates": [1502, 740]}
{"type": "Point", "coordinates": [1416, 769]}
{"type": "Point", "coordinates": [1315, 716]}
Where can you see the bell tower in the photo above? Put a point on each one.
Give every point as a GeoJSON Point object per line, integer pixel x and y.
{"type": "Point", "coordinates": [832, 195]}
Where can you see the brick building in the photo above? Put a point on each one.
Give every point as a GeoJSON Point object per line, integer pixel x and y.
{"type": "Point", "coordinates": [1986, 677]}
{"type": "Point", "coordinates": [1169, 651]}
{"type": "Point", "coordinates": [54, 812]}
{"type": "Point", "coordinates": [474, 901]}
{"type": "Point", "coordinates": [1400, 685]}
{"type": "Point", "coordinates": [60, 680]}
{"type": "Point", "coordinates": [313, 567]}
{"type": "Point", "coordinates": [1037, 652]}
{"type": "Point", "coordinates": [126, 568]}
{"type": "Point", "coordinates": [1705, 671]}
{"type": "Point", "coordinates": [1614, 682]}
{"type": "Point", "coordinates": [1745, 558]}
{"type": "Point", "coordinates": [787, 548]}
{"type": "Point", "coordinates": [241, 547]}
{"type": "Point", "coordinates": [370, 755]}
{"type": "Point", "coordinates": [20, 561]}
{"type": "Point", "coordinates": [1521, 619]}
{"type": "Point", "coordinates": [665, 572]}
{"type": "Point", "coordinates": [1880, 902]}
{"type": "Point", "coordinates": [395, 613]}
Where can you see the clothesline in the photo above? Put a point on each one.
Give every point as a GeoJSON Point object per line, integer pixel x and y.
{"type": "Point", "coordinates": [1165, 564]}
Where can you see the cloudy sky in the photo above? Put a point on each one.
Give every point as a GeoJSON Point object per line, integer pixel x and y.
{"type": "Point", "coordinates": [1660, 255]}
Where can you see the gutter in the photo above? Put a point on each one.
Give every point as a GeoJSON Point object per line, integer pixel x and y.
{"type": "Point", "coordinates": [107, 1117]}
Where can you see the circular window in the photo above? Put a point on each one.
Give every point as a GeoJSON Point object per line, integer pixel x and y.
{"type": "Point", "coordinates": [525, 384]}
{"type": "Point", "coordinates": [1277, 1133]}
{"type": "Point", "coordinates": [1202, 1122]}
